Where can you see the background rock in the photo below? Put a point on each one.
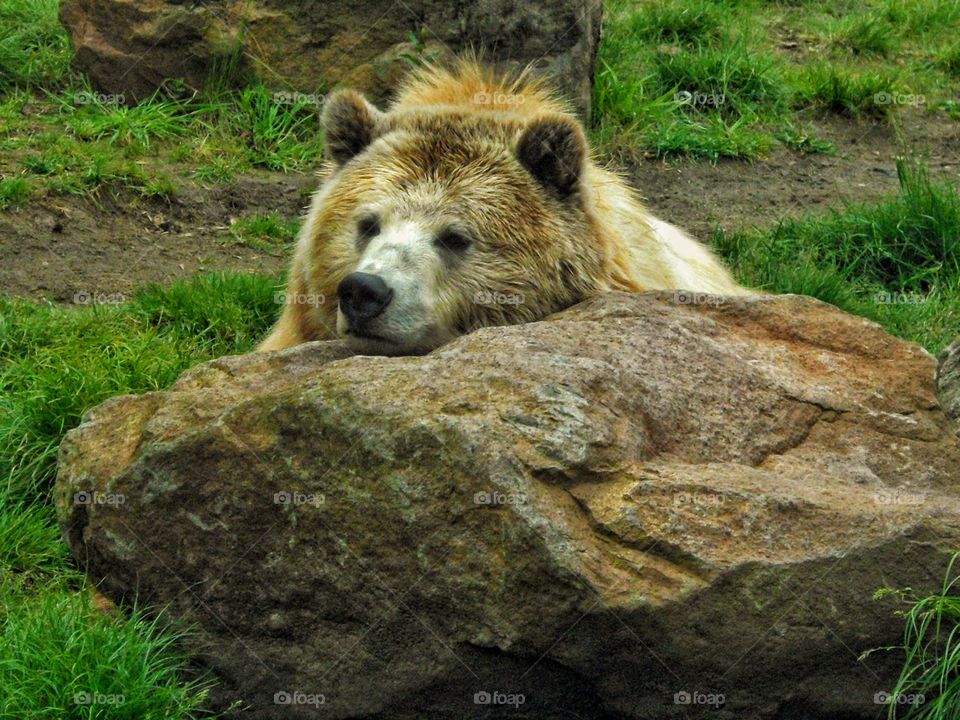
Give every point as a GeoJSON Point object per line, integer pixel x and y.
{"type": "Point", "coordinates": [632, 503]}
{"type": "Point", "coordinates": [129, 48]}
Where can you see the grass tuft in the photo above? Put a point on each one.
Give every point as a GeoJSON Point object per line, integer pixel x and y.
{"type": "Point", "coordinates": [59, 660]}
{"type": "Point", "coordinates": [214, 313]}
{"type": "Point", "coordinates": [837, 89]}
{"type": "Point", "coordinates": [804, 142]}
{"type": "Point", "coordinates": [949, 59]}
{"type": "Point", "coordinates": [268, 231]}
{"type": "Point", "coordinates": [690, 22]}
{"type": "Point", "coordinates": [867, 34]}
{"type": "Point", "coordinates": [34, 48]}
{"type": "Point", "coordinates": [931, 642]}
{"type": "Point", "coordinates": [14, 192]}
{"type": "Point", "coordinates": [921, 16]}
{"type": "Point", "coordinates": [280, 131]}
{"type": "Point", "coordinates": [734, 81]}
{"type": "Point", "coordinates": [94, 116]}
{"type": "Point", "coordinates": [30, 543]}
{"type": "Point", "coordinates": [687, 99]}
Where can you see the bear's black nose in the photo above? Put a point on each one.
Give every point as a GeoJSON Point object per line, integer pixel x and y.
{"type": "Point", "coordinates": [362, 297]}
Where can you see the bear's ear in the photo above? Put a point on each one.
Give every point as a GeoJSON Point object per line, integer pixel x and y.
{"type": "Point", "coordinates": [349, 123]}
{"type": "Point", "coordinates": [553, 149]}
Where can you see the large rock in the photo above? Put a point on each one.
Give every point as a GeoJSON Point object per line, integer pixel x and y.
{"type": "Point", "coordinates": [633, 504]}
{"type": "Point", "coordinates": [948, 382]}
{"type": "Point", "coordinates": [130, 47]}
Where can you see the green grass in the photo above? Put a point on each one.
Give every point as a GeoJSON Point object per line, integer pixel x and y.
{"type": "Point", "coordinates": [702, 96]}
{"type": "Point", "coordinates": [868, 34]}
{"type": "Point", "coordinates": [104, 144]}
{"type": "Point", "coordinates": [94, 116]}
{"type": "Point", "coordinates": [922, 16]}
{"type": "Point", "coordinates": [267, 231]}
{"type": "Point", "coordinates": [55, 363]}
{"type": "Point", "coordinates": [805, 142]}
{"type": "Point", "coordinates": [58, 361]}
{"type": "Point", "coordinates": [740, 92]}
{"type": "Point", "coordinates": [30, 545]}
{"type": "Point", "coordinates": [691, 22]}
{"type": "Point", "coordinates": [734, 81]}
{"type": "Point", "coordinates": [98, 145]}
{"type": "Point", "coordinates": [14, 192]}
{"type": "Point", "coordinates": [34, 49]}
{"type": "Point", "coordinates": [59, 660]}
{"type": "Point", "coordinates": [949, 59]}
{"type": "Point", "coordinates": [896, 262]}
{"type": "Point", "coordinates": [159, 186]}
{"type": "Point", "coordinates": [711, 138]}
{"type": "Point", "coordinates": [838, 89]}
{"type": "Point", "coordinates": [280, 134]}
{"type": "Point", "coordinates": [932, 646]}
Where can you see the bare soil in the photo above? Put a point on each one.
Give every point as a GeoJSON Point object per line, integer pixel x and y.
{"type": "Point", "coordinates": [737, 194]}
{"type": "Point", "coordinates": [59, 246]}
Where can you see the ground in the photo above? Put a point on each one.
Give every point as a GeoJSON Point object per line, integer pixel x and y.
{"type": "Point", "coordinates": [58, 247]}
{"type": "Point", "coordinates": [736, 195]}
{"type": "Point", "coordinates": [47, 247]}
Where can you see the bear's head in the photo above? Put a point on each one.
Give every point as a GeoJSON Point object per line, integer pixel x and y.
{"type": "Point", "coordinates": [437, 221]}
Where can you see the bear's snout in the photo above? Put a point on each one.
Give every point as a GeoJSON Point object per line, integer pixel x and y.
{"type": "Point", "coordinates": [363, 297]}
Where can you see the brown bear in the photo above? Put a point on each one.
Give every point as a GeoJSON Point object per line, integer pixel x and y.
{"type": "Point", "coordinates": [472, 201]}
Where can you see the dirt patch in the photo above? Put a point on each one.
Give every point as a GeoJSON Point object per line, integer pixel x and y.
{"type": "Point", "coordinates": [736, 194]}
{"type": "Point", "coordinates": [59, 246]}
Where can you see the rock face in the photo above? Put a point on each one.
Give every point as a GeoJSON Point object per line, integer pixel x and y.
{"type": "Point", "coordinates": [130, 47]}
{"type": "Point", "coordinates": [948, 382]}
{"type": "Point", "coordinates": [637, 508]}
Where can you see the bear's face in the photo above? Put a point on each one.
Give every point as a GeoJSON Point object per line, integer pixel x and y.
{"type": "Point", "coordinates": [434, 224]}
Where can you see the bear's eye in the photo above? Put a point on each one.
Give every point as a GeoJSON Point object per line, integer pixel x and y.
{"type": "Point", "coordinates": [455, 241]}
{"type": "Point", "coordinates": [368, 226]}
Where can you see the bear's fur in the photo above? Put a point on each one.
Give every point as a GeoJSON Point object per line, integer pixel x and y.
{"type": "Point", "coordinates": [472, 201]}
